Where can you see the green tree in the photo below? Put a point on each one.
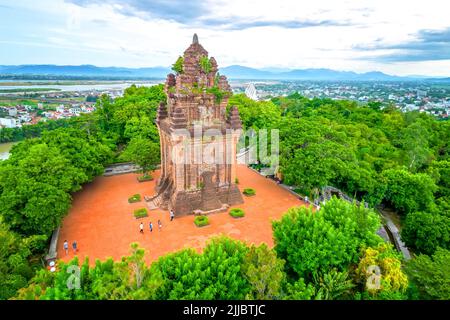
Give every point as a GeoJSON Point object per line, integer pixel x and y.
{"type": "Point", "coordinates": [178, 65]}
{"type": "Point", "coordinates": [137, 102]}
{"type": "Point", "coordinates": [408, 192]}
{"type": "Point", "coordinates": [332, 285]}
{"type": "Point", "coordinates": [205, 64]}
{"type": "Point", "coordinates": [34, 195]}
{"type": "Point", "coordinates": [416, 146]}
{"type": "Point", "coordinates": [426, 231]}
{"type": "Point", "coordinates": [384, 263]}
{"type": "Point", "coordinates": [214, 274]}
{"type": "Point", "coordinates": [82, 151]}
{"type": "Point", "coordinates": [143, 152]}
{"type": "Point", "coordinates": [15, 268]}
{"type": "Point", "coordinates": [105, 112]}
{"type": "Point", "coordinates": [440, 171]}
{"type": "Point", "coordinates": [256, 114]}
{"type": "Point", "coordinates": [299, 290]}
{"type": "Point", "coordinates": [141, 127]}
{"type": "Point", "coordinates": [431, 274]}
{"type": "Point", "coordinates": [127, 279]}
{"type": "Point", "coordinates": [264, 272]}
{"type": "Point", "coordinates": [37, 180]}
{"type": "Point", "coordinates": [331, 238]}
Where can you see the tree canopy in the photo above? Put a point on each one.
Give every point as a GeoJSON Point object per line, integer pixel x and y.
{"type": "Point", "coordinates": [431, 274]}
{"type": "Point", "coordinates": [330, 238]}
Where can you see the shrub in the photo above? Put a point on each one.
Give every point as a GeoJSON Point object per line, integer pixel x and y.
{"type": "Point", "coordinates": [218, 93]}
{"type": "Point", "coordinates": [236, 181]}
{"type": "Point", "coordinates": [302, 191]}
{"type": "Point", "coordinates": [201, 221]}
{"type": "Point", "coordinates": [178, 65]}
{"type": "Point", "coordinates": [145, 177]}
{"type": "Point", "coordinates": [200, 185]}
{"type": "Point", "coordinates": [205, 64]}
{"type": "Point", "coordinates": [134, 198]}
{"type": "Point", "coordinates": [237, 213]}
{"type": "Point", "coordinates": [140, 213]}
{"type": "Point", "coordinates": [249, 192]}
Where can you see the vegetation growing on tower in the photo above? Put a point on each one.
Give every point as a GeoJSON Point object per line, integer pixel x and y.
{"type": "Point", "coordinates": [178, 65]}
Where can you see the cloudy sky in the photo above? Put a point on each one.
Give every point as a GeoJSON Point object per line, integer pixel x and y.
{"type": "Point", "coordinates": [403, 37]}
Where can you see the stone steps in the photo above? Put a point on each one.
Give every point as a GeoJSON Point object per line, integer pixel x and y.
{"type": "Point", "coordinates": [160, 201]}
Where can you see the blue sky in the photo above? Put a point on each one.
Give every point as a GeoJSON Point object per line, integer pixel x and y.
{"type": "Point", "coordinates": [394, 36]}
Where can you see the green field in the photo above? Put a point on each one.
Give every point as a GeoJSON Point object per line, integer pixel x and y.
{"type": "Point", "coordinates": [17, 101]}
{"type": "Point", "coordinates": [11, 101]}
{"type": "Point", "coordinates": [28, 90]}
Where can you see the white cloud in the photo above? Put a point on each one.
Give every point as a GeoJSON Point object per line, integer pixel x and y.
{"type": "Point", "coordinates": [104, 35]}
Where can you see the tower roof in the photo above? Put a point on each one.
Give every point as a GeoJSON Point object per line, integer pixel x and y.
{"type": "Point", "coordinates": [195, 49]}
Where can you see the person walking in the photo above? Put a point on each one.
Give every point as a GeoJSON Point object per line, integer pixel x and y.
{"type": "Point", "coordinates": [306, 199]}
{"type": "Point", "coordinates": [66, 247]}
{"type": "Point", "coordinates": [172, 215]}
{"type": "Point", "coordinates": [75, 246]}
{"type": "Point", "coordinates": [151, 226]}
{"type": "Point", "coordinates": [159, 225]}
{"type": "Point", "coordinates": [141, 228]}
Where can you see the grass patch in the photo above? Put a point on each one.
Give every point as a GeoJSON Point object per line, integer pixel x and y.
{"type": "Point", "coordinates": [249, 192]}
{"type": "Point", "coordinates": [144, 178]}
{"type": "Point", "coordinates": [140, 213]}
{"type": "Point", "coordinates": [135, 198]}
{"type": "Point", "coordinates": [237, 213]}
{"type": "Point", "coordinates": [201, 221]}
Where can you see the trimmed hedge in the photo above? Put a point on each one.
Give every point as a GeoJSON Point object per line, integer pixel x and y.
{"type": "Point", "coordinates": [135, 198]}
{"type": "Point", "coordinates": [249, 192]}
{"type": "Point", "coordinates": [201, 221]}
{"type": "Point", "coordinates": [237, 213]}
{"type": "Point", "coordinates": [140, 213]}
{"type": "Point", "coordinates": [147, 177]}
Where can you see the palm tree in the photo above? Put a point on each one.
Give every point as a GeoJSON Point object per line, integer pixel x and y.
{"type": "Point", "coordinates": [332, 285]}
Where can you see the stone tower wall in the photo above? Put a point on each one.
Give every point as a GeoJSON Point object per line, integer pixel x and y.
{"type": "Point", "coordinates": [188, 183]}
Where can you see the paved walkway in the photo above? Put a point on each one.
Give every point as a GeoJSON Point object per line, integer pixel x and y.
{"type": "Point", "coordinates": [102, 221]}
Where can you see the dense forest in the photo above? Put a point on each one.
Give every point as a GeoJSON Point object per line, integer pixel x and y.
{"type": "Point", "coordinates": [373, 152]}
{"type": "Point", "coordinates": [56, 159]}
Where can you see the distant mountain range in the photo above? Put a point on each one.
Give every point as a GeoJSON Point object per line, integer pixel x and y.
{"type": "Point", "coordinates": [239, 72]}
{"type": "Point", "coordinates": [232, 72]}
{"type": "Point", "coordinates": [85, 71]}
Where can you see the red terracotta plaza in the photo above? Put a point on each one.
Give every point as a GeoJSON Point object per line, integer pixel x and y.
{"type": "Point", "coordinates": [102, 222]}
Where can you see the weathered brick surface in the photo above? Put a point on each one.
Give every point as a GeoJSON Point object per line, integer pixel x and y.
{"type": "Point", "coordinates": [191, 102]}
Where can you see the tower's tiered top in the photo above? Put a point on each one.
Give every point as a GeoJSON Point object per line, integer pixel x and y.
{"type": "Point", "coordinates": [198, 71]}
{"type": "Point", "coordinates": [196, 92]}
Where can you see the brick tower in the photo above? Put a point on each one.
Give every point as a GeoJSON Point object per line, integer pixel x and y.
{"type": "Point", "coordinates": [198, 139]}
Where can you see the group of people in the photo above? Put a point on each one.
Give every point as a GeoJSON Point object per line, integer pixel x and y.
{"type": "Point", "coordinates": [74, 246]}
{"type": "Point", "coordinates": [141, 225]}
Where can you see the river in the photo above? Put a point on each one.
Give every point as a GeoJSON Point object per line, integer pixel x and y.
{"type": "Point", "coordinates": [4, 150]}
{"type": "Point", "coordinates": [96, 86]}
